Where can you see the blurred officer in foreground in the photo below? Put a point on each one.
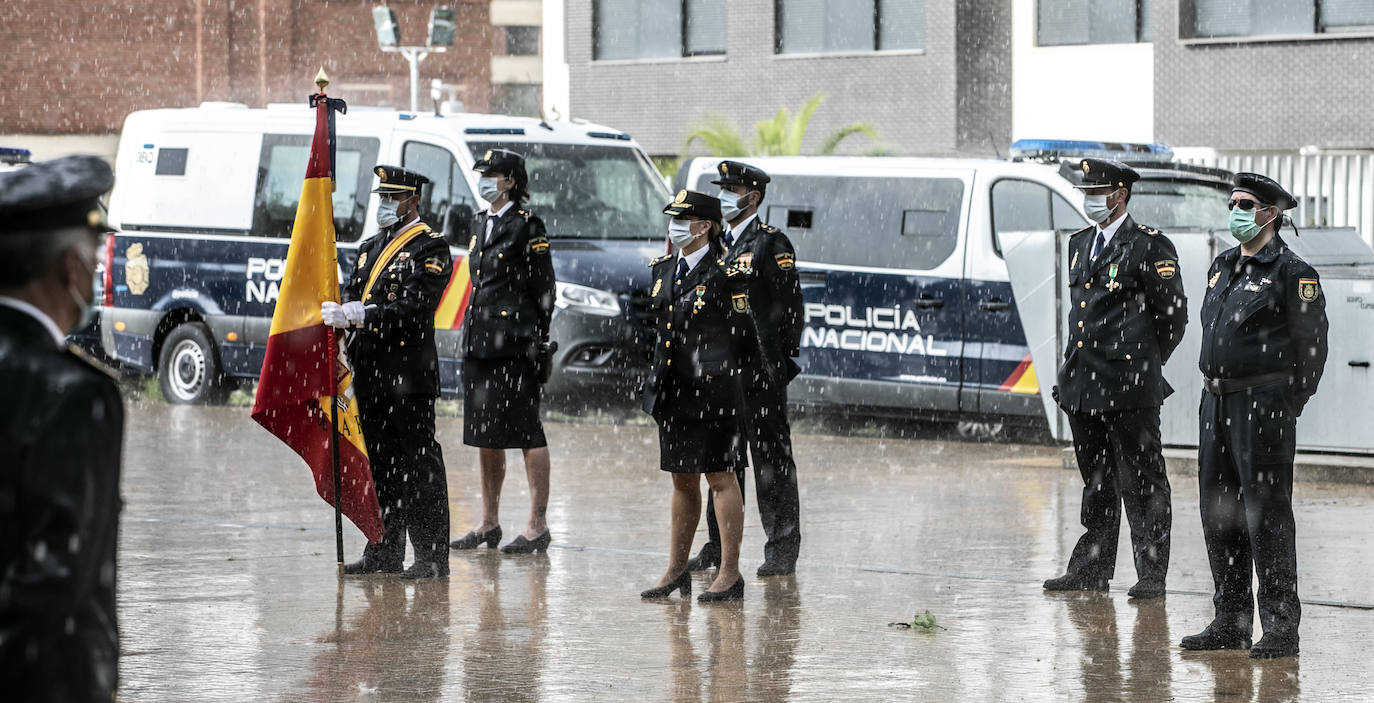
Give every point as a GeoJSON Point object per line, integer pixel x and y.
{"type": "Point", "coordinates": [705, 341]}
{"type": "Point", "coordinates": [389, 305]}
{"type": "Point", "coordinates": [1127, 314]}
{"type": "Point", "coordinates": [61, 431]}
{"type": "Point", "coordinates": [775, 302]}
{"type": "Point", "coordinates": [507, 353]}
{"type": "Point", "coordinates": [1263, 350]}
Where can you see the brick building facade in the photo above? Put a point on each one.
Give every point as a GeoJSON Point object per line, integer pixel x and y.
{"type": "Point", "coordinates": [72, 67]}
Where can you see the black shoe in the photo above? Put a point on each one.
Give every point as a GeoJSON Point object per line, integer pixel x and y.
{"type": "Point", "coordinates": [776, 568]}
{"type": "Point", "coordinates": [683, 582]}
{"type": "Point", "coordinates": [520, 545]}
{"type": "Point", "coordinates": [368, 566]}
{"type": "Point", "coordinates": [1074, 582]}
{"type": "Point", "coordinates": [1145, 590]}
{"type": "Point", "coordinates": [1216, 636]}
{"type": "Point", "coordinates": [1274, 646]}
{"type": "Point", "coordinates": [707, 558]}
{"type": "Point", "coordinates": [735, 592]}
{"type": "Point", "coordinates": [425, 570]}
{"type": "Point", "coordinates": [474, 539]}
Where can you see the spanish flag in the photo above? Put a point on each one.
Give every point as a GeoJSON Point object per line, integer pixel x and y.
{"type": "Point", "coordinates": [304, 370]}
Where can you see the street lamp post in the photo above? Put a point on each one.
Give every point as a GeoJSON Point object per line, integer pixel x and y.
{"type": "Point", "coordinates": [441, 26]}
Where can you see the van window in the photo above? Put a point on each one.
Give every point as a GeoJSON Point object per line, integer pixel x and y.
{"type": "Point", "coordinates": [281, 171]}
{"type": "Point", "coordinates": [591, 191]}
{"type": "Point", "coordinates": [1027, 206]}
{"type": "Point", "coordinates": [909, 223]}
{"type": "Point", "coordinates": [446, 185]}
{"type": "Point", "coordinates": [171, 162]}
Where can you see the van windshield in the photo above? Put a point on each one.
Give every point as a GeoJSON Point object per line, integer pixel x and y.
{"type": "Point", "coordinates": [590, 191]}
{"type": "Point", "coordinates": [1174, 206]}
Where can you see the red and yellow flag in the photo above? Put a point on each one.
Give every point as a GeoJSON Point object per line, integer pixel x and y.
{"type": "Point", "coordinates": [304, 370]}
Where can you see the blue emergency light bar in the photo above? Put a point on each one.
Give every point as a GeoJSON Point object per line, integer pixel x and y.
{"type": "Point", "coordinates": [1072, 148]}
{"type": "Point", "coordinates": [494, 130]}
{"type": "Point", "coordinates": [609, 135]}
{"type": "Point", "coordinates": [14, 155]}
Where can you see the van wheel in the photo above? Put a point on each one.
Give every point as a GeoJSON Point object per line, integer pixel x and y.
{"type": "Point", "coordinates": [188, 368]}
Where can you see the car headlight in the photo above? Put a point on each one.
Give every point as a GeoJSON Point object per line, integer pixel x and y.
{"type": "Point", "coordinates": [585, 299]}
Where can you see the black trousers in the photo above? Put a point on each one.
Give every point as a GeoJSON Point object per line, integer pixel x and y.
{"type": "Point", "coordinates": [775, 477]}
{"type": "Point", "coordinates": [1245, 481]}
{"type": "Point", "coordinates": [408, 469]}
{"type": "Point", "coordinates": [1122, 463]}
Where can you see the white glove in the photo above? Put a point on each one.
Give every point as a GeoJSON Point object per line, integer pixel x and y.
{"type": "Point", "coordinates": [355, 313]}
{"type": "Point", "coordinates": [333, 314]}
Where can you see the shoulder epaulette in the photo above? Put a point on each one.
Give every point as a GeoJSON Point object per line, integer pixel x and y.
{"type": "Point", "coordinates": [768, 228]}
{"type": "Point", "coordinates": [1147, 230]}
{"type": "Point", "coordinates": [660, 260]}
{"type": "Point", "coordinates": [524, 213]}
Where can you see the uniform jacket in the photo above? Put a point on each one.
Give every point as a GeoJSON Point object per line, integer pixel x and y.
{"type": "Point", "coordinates": [1126, 316]}
{"type": "Point", "coordinates": [61, 436]}
{"type": "Point", "coordinates": [705, 339]}
{"type": "Point", "coordinates": [775, 296]}
{"type": "Point", "coordinates": [394, 352]}
{"type": "Point", "coordinates": [1262, 315]}
{"type": "Point", "coordinates": [512, 286]}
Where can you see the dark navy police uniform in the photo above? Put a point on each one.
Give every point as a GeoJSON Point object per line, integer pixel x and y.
{"type": "Point", "coordinates": [507, 319]}
{"type": "Point", "coordinates": [775, 302]}
{"type": "Point", "coordinates": [1127, 315]}
{"type": "Point", "coordinates": [1264, 346]}
{"type": "Point", "coordinates": [396, 373]}
{"type": "Point", "coordinates": [61, 438]}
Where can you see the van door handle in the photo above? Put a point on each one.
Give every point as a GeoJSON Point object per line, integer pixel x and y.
{"type": "Point", "coordinates": [925, 302]}
{"type": "Point", "coordinates": [1360, 364]}
{"type": "Point", "coordinates": [993, 305]}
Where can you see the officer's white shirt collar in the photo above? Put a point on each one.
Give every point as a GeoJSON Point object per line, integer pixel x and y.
{"type": "Point", "coordinates": [693, 258]}
{"type": "Point", "coordinates": [491, 222]}
{"type": "Point", "coordinates": [735, 232]}
{"type": "Point", "coordinates": [42, 317]}
{"type": "Point", "coordinates": [1110, 230]}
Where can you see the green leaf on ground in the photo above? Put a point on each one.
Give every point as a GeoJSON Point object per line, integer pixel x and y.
{"type": "Point", "coordinates": [924, 622]}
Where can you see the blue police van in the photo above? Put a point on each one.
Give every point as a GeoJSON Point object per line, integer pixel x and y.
{"type": "Point", "coordinates": [909, 307]}
{"type": "Point", "coordinates": [205, 199]}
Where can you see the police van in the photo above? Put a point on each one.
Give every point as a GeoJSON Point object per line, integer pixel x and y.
{"type": "Point", "coordinates": [205, 198]}
{"type": "Point", "coordinates": [909, 306]}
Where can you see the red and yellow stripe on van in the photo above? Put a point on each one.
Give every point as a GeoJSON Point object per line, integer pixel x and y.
{"type": "Point", "coordinates": [1022, 380]}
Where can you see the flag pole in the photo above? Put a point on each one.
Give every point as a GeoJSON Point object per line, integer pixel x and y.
{"type": "Point", "coordinates": [321, 80]}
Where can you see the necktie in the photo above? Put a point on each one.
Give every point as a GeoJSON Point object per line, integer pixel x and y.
{"type": "Point", "coordinates": [729, 241]}
{"type": "Point", "coordinates": [681, 272]}
{"type": "Point", "coordinates": [491, 224]}
{"type": "Point", "coordinates": [1098, 243]}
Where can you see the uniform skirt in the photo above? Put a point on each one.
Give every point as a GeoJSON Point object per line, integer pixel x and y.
{"type": "Point", "coordinates": [501, 404]}
{"type": "Point", "coordinates": [700, 446]}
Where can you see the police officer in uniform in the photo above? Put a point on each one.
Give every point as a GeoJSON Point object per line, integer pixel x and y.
{"type": "Point", "coordinates": [1263, 350]}
{"type": "Point", "coordinates": [775, 299]}
{"type": "Point", "coordinates": [61, 435]}
{"type": "Point", "coordinates": [1127, 314]}
{"type": "Point", "coordinates": [389, 305]}
{"type": "Point", "coordinates": [705, 344]}
{"type": "Point", "coordinates": [506, 353]}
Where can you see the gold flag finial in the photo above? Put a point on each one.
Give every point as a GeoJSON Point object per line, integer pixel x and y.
{"type": "Point", "coordinates": [321, 80]}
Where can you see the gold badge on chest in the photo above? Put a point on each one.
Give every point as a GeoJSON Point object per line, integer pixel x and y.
{"type": "Point", "coordinates": [1112, 283]}
{"type": "Point", "coordinates": [362, 259]}
{"type": "Point", "coordinates": [1074, 264]}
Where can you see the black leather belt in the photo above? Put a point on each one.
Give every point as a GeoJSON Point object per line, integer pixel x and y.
{"type": "Point", "coordinates": [1223, 386]}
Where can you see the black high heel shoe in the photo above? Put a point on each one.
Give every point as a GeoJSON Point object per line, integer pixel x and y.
{"type": "Point", "coordinates": [520, 545]}
{"type": "Point", "coordinates": [474, 539]}
{"type": "Point", "coordinates": [735, 592]}
{"type": "Point", "coordinates": [683, 581]}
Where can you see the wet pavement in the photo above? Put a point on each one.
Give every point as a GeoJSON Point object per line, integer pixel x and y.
{"type": "Point", "coordinates": [228, 589]}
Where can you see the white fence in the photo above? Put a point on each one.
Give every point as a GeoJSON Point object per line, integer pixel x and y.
{"type": "Point", "coordinates": [1334, 188]}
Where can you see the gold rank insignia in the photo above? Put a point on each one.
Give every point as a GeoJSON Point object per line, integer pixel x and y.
{"type": "Point", "coordinates": [362, 259]}
{"type": "Point", "coordinates": [1074, 264]}
{"type": "Point", "coordinates": [658, 286]}
{"type": "Point", "coordinates": [740, 301]}
{"type": "Point", "coordinates": [1212, 282]}
{"type": "Point", "coordinates": [434, 265]}
{"type": "Point", "coordinates": [1166, 269]}
{"type": "Point", "coordinates": [1308, 288]}
{"type": "Point", "coordinates": [472, 243]}
{"type": "Point", "coordinates": [785, 260]}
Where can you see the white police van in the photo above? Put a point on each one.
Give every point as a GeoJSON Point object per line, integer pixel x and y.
{"type": "Point", "coordinates": [909, 305]}
{"type": "Point", "coordinates": [205, 198]}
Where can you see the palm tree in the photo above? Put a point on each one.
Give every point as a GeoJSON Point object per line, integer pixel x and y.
{"type": "Point", "coordinates": [780, 136]}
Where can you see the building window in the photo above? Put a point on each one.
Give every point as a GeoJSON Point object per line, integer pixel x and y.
{"type": "Point", "coordinates": [1067, 22]}
{"type": "Point", "coordinates": [657, 29]}
{"type": "Point", "coordinates": [522, 41]}
{"type": "Point", "coordinates": [1205, 19]}
{"type": "Point", "coordinates": [516, 99]}
{"type": "Point", "coordinates": [849, 26]}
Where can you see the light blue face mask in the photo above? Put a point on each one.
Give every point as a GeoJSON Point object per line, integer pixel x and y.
{"type": "Point", "coordinates": [386, 213]}
{"type": "Point", "coordinates": [729, 204]}
{"type": "Point", "coordinates": [1243, 226]}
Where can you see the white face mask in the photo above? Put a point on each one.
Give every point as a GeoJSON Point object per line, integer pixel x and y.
{"type": "Point", "coordinates": [680, 232]}
{"type": "Point", "coordinates": [1096, 208]}
{"type": "Point", "coordinates": [489, 188]}
{"type": "Point", "coordinates": [386, 213]}
{"type": "Point", "coordinates": [730, 204]}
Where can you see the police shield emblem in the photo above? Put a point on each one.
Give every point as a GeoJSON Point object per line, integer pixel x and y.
{"type": "Point", "coordinates": [740, 301]}
{"type": "Point", "coordinates": [136, 269]}
{"type": "Point", "coordinates": [1308, 290]}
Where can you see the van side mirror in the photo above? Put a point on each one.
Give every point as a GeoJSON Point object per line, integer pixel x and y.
{"type": "Point", "coordinates": [458, 224]}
